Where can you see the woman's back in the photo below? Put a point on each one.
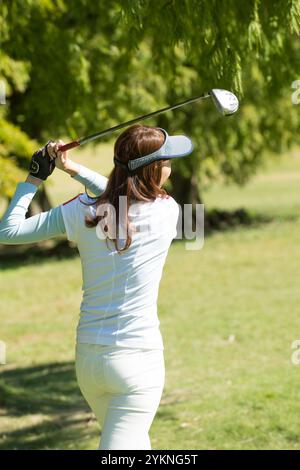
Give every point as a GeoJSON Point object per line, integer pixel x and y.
{"type": "Point", "coordinates": [119, 304]}
{"type": "Point", "coordinates": [119, 349]}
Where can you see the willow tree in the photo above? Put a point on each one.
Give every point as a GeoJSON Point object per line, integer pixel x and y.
{"type": "Point", "coordinates": [75, 67]}
{"type": "Point", "coordinates": [68, 70]}
{"type": "Point", "coordinates": [249, 47]}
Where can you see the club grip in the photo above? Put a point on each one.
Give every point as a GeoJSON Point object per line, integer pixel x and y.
{"type": "Point", "coordinates": [69, 146]}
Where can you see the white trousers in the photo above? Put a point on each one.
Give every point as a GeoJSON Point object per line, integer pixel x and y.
{"type": "Point", "coordinates": [123, 387]}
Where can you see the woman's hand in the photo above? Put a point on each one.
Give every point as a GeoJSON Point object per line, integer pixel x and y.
{"type": "Point", "coordinates": [61, 158]}
{"type": "Point", "coordinates": [42, 164]}
{"type": "Point", "coordinates": [62, 161]}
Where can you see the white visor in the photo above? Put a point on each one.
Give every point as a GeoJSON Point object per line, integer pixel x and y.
{"type": "Point", "coordinates": [174, 146]}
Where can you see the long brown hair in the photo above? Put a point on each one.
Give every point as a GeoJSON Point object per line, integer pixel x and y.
{"type": "Point", "coordinates": [143, 184]}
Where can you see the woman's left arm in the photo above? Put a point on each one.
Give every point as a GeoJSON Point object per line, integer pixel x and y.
{"type": "Point", "coordinates": [95, 182]}
{"type": "Point", "coordinates": [16, 229]}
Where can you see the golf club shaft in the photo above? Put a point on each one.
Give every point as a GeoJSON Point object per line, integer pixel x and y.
{"type": "Point", "coordinates": [90, 138]}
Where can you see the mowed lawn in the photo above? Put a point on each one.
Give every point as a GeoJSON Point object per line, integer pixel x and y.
{"type": "Point", "coordinates": [229, 314]}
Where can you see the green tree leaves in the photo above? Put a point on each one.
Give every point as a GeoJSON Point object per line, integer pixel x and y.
{"type": "Point", "coordinates": [78, 67]}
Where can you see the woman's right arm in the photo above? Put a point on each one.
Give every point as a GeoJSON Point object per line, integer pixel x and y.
{"type": "Point", "coordinates": [15, 229]}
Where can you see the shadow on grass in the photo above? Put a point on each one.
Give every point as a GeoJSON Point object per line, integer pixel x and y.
{"type": "Point", "coordinates": [22, 255]}
{"type": "Point", "coordinates": [47, 410]}
{"type": "Point", "coordinates": [47, 400]}
{"type": "Point", "coordinates": [220, 220]}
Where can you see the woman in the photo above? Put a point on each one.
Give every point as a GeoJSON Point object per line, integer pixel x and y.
{"type": "Point", "coordinates": [123, 235]}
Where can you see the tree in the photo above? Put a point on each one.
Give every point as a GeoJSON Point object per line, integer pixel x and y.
{"type": "Point", "coordinates": [95, 64]}
{"type": "Point", "coordinates": [70, 75]}
{"type": "Point", "coordinates": [250, 47]}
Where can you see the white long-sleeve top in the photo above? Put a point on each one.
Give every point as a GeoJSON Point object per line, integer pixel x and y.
{"type": "Point", "coordinates": [120, 291]}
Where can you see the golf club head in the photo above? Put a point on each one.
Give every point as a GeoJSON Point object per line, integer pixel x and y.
{"type": "Point", "coordinates": [225, 101]}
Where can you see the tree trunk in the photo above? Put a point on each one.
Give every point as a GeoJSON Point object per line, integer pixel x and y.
{"type": "Point", "coordinates": [185, 190]}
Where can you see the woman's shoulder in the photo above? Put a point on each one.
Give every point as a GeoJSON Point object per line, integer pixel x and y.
{"type": "Point", "coordinates": [87, 204]}
{"type": "Point", "coordinates": [167, 200]}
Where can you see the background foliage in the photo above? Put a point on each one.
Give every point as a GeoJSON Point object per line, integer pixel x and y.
{"type": "Point", "coordinates": [76, 67]}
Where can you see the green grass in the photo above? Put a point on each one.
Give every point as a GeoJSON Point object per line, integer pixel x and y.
{"type": "Point", "coordinates": [229, 314]}
{"type": "Point", "coordinates": [274, 192]}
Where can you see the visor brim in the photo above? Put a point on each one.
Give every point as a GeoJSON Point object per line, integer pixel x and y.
{"type": "Point", "coordinates": [177, 146]}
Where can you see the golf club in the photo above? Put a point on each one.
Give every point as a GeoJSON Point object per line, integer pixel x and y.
{"type": "Point", "coordinates": [225, 101]}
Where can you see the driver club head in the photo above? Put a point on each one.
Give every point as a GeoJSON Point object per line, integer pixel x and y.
{"type": "Point", "coordinates": [225, 101]}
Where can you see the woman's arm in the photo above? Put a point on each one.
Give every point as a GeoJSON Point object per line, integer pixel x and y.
{"type": "Point", "coordinates": [95, 182]}
{"type": "Point", "coordinates": [15, 229]}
